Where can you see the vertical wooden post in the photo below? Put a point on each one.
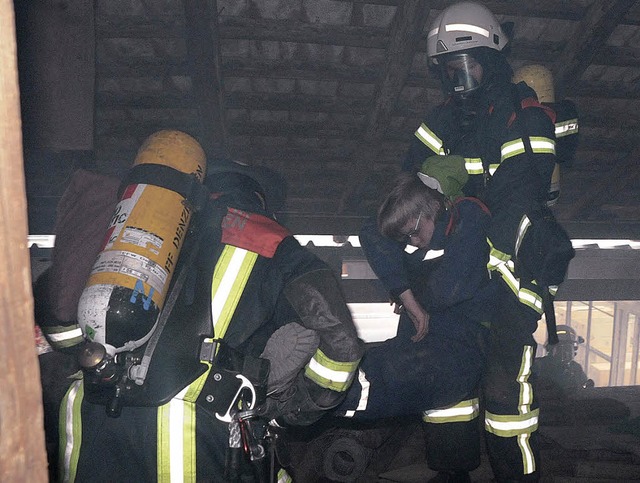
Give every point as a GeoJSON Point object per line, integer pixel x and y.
{"type": "Point", "coordinates": [22, 448]}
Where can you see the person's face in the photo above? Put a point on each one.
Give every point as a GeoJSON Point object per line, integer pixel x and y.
{"type": "Point", "coordinates": [463, 67]}
{"type": "Point", "coordinates": [418, 231]}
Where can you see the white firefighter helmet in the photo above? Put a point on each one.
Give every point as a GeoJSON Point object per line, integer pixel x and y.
{"type": "Point", "coordinates": [465, 42]}
{"type": "Point", "coordinates": [539, 78]}
{"type": "Point", "coordinates": [462, 26]}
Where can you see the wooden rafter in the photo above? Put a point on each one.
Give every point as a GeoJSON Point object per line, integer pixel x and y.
{"type": "Point", "coordinates": [600, 20]}
{"type": "Point", "coordinates": [408, 25]}
{"type": "Point", "coordinates": [203, 53]}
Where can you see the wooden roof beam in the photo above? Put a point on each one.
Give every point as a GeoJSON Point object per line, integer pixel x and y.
{"type": "Point", "coordinates": [601, 19]}
{"type": "Point", "coordinates": [203, 50]}
{"type": "Point", "coordinates": [407, 27]}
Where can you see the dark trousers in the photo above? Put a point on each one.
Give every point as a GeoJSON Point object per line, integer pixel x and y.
{"type": "Point", "coordinates": [509, 392]}
{"type": "Point", "coordinates": [125, 449]}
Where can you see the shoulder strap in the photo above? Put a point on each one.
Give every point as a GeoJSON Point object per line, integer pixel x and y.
{"type": "Point", "coordinates": [454, 212]}
{"type": "Point", "coordinates": [138, 373]}
{"type": "Point", "coordinates": [520, 103]}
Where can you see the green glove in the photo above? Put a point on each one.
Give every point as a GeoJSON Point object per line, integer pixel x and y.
{"type": "Point", "coordinates": [447, 174]}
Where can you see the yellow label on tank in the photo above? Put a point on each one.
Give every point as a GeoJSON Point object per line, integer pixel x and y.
{"type": "Point", "coordinates": [143, 241]}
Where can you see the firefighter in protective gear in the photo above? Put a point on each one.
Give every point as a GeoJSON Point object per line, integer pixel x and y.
{"type": "Point", "coordinates": [506, 137]}
{"type": "Point", "coordinates": [437, 374]}
{"type": "Point", "coordinates": [241, 276]}
{"type": "Point", "coordinates": [558, 370]}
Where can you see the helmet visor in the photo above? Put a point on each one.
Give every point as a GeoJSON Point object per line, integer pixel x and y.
{"type": "Point", "coordinates": [461, 74]}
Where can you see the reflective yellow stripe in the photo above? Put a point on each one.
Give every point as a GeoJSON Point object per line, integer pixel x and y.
{"type": "Point", "coordinates": [176, 449]}
{"type": "Point", "coordinates": [330, 374]}
{"type": "Point", "coordinates": [284, 477]}
{"type": "Point", "coordinates": [473, 165]}
{"type": "Point", "coordinates": [539, 145]}
{"type": "Point", "coordinates": [464, 411]}
{"type": "Point", "coordinates": [501, 262]}
{"type": "Point", "coordinates": [542, 145]}
{"type": "Point", "coordinates": [524, 423]}
{"type": "Point", "coordinates": [524, 225]}
{"type": "Point", "coordinates": [526, 389]}
{"type": "Point", "coordinates": [61, 337]}
{"type": "Point", "coordinates": [177, 419]}
{"type": "Point", "coordinates": [229, 279]}
{"type": "Point", "coordinates": [511, 425]}
{"type": "Point", "coordinates": [71, 433]}
{"type": "Point", "coordinates": [429, 139]}
{"type": "Point", "coordinates": [566, 128]}
{"type": "Point", "coordinates": [492, 168]}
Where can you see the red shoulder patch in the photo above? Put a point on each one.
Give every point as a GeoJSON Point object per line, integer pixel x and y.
{"type": "Point", "coordinates": [252, 232]}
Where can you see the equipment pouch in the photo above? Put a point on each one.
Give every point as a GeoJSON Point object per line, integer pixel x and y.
{"type": "Point", "coordinates": [546, 250]}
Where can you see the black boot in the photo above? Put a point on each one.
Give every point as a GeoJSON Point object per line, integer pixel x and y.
{"type": "Point", "coordinates": [451, 477]}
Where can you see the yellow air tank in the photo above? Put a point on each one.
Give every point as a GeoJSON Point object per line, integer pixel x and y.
{"type": "Point", "coordinates": [540, 79]}
{"type": "Point", "coordinates": [122, 299]}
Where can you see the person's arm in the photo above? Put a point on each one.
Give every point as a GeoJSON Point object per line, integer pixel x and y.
{"type": "Point", "coordinates": [416, 313]}
{"type": "Point", "coordinates": [313, 294]}
{"type": "Point", "coordinates": [521, 181]}
{"type": "Point", "coordinates": [425, 143]}
{"type": "Point", "coordinates": [391, 264]}
{"type": "Point", "coordinates": [387, 259]}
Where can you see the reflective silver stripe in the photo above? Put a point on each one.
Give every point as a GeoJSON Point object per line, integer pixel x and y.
{"type": "Point", "coordinates": [229, 278]}
{"type": "Point", "coordinates": [509, 426]}
{"type": "Point", "coordinates": [512, 148]}
{"type": "Point", "coordinates": [492, 168]}
{"type": "Point", "coordinates": [525, 422]}
{"type": "Point", "coordinates": [526, 390]}
{"type": "Point", "coordinates": [364, 394]}
{"type": "Point", "coordinates": [432, 254]}
{"type": "Point", "coordinates": [565, 128]}
{"type": "Point", "coordinates": [330, 374]}
{"type": "Point", "coordinates": [465, 27]}
{"type": "Point", "coordinates": [76, 332]}
{"type": "Point", "coordinates": [542, 145]}
{"type": "Point", "coordinates": [528, 457]}
{"type": "Point", "coordinates": [463, 411]}
{"type": "Point", "coordinates": [525, 223]}
{"type": "Point", "coordinates": [502, 263]}
{"type": "Point", "coordinates": [175, 414]}
{"type": "Point", "coordinates": [473, 165]}
{"type": "Point", "coordinates": [539, 145]}
{"type": "Point", "coordinates": [525, 296]}
{"type": "Point", "coordinates": [72, 438]}
{"type": "Point", "coordinates": [284, 477]}
{"type": "Point", "coordinates": [176, 432]}
{"type": "Point", "coordinates": [429, 139]}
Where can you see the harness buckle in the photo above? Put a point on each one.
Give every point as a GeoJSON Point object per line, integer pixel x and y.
{"type": "Point", "coordinates": [245, 383]}
{"type": "Point", "coordinates": [208, 350]}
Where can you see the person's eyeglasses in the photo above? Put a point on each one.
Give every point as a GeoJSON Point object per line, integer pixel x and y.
{"type": "Point", "coordinates": [415, 230]}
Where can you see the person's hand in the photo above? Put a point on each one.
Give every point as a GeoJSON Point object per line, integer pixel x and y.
{"type": "Point", "coordinates": [416, 313]}
{"type": "Point", "coordinates": [420, 321]}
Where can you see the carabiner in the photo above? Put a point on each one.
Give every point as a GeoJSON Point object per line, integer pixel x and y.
{"type": "Point", "coordinates": [246, 384]}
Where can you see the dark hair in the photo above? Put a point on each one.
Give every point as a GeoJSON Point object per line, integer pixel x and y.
{"type": "Point", "coordinates": [407, 199]}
